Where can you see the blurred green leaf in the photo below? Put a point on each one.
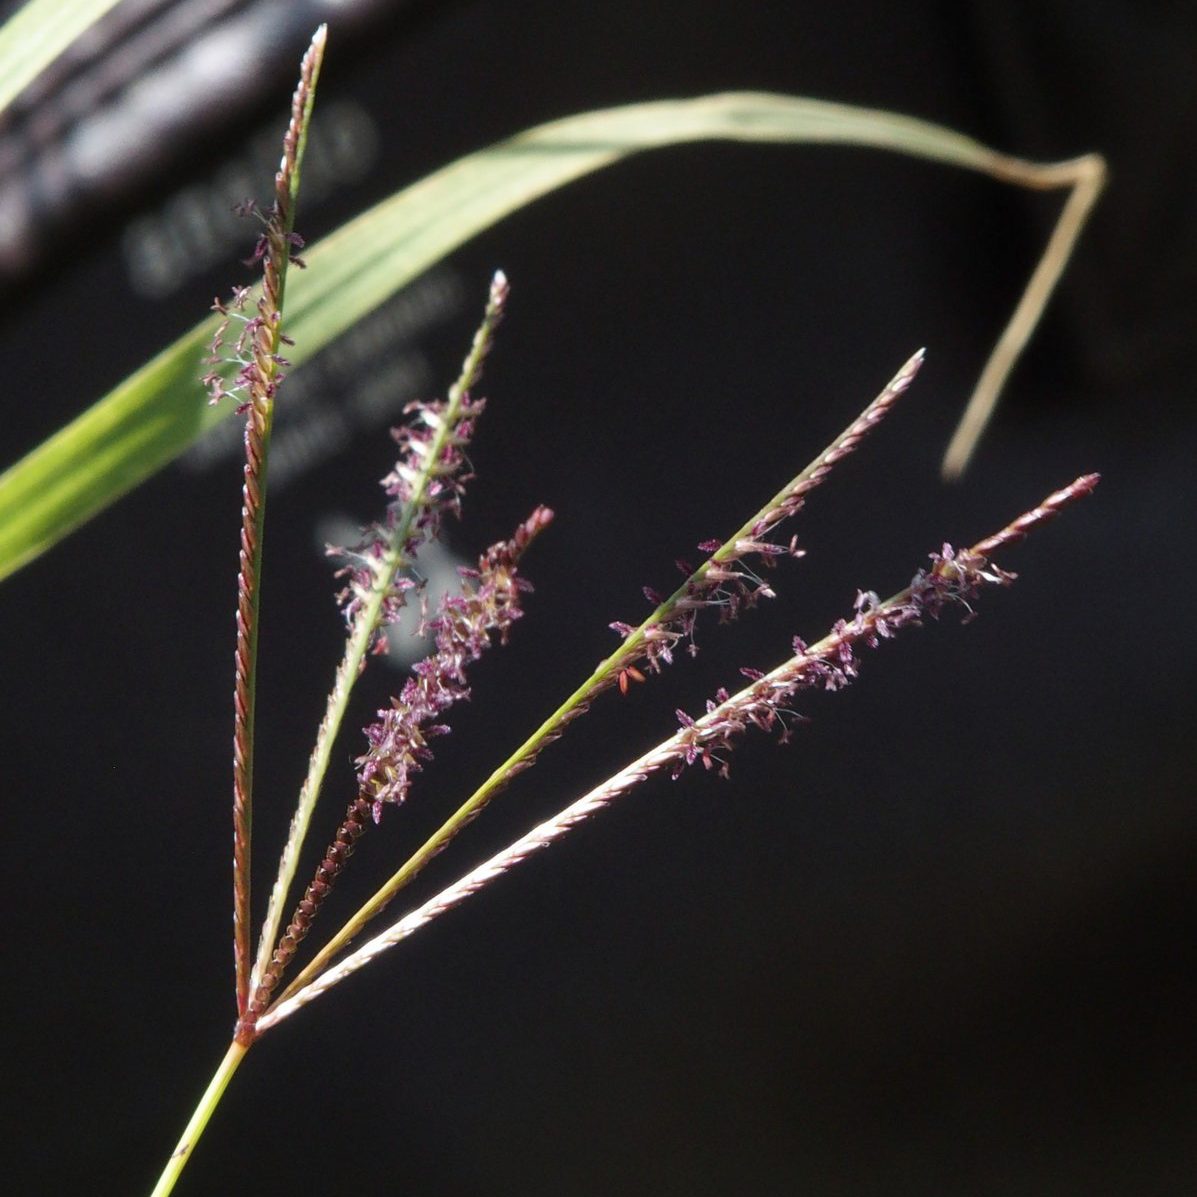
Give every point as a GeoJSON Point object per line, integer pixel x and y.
{"type": "Point", "coordinates": [37, 34]}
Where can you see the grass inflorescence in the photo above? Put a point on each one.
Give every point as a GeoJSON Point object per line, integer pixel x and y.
{"type": "Point", "coordinates": [379, 579]}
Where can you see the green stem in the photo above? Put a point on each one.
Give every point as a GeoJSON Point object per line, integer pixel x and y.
{"type": "Point", "coordinates": [199, 1119]}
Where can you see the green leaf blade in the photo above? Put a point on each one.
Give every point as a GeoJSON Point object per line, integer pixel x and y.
{"type": "Point", "coordinates": [37, 34]}
{"type": "Point", "coordinates": [145, 422]}
{"type": "Point", "coordinates": [149, 419]}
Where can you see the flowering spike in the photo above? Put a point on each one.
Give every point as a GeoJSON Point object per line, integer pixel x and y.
{"type": "Point", "coordinates": [426, 483]}
{"type": "Point", "coordinates": [256, 382]}
{"type": "Point", "coordinates": [726, 582]}
{"type": "Point", "coordinates": [490, 601]}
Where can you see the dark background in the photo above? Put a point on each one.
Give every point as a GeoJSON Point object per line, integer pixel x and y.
{"type": "Point", "coordinates": [942, 943]}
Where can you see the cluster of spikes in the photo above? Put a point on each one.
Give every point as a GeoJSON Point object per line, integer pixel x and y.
{"type": "Point", "coordinates": [490, 602]}
{"type": "Point", "coordinates": [428, 480]}
{"type": "Point", "coordinates": [727, 583]}
{"type": "Point", "coordinates": [953, 580]}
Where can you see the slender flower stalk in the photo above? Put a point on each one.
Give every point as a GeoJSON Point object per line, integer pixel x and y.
{"type": "Point", "coordinates": [426, 482]}
{"type": "Point", "coordinates": [953, 579]}
{"type": "Point", "coordinates": [199, 1119]}
{"type": "Point", "coordinates": [398, 742]}
{"type": "Point", "coordinates": [254, 388]}
{"type": "Point", "coordinates": [724, 583]}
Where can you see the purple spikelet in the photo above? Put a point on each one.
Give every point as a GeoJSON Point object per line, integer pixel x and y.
{"type": "Point", "coordinates": [490, 602]}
